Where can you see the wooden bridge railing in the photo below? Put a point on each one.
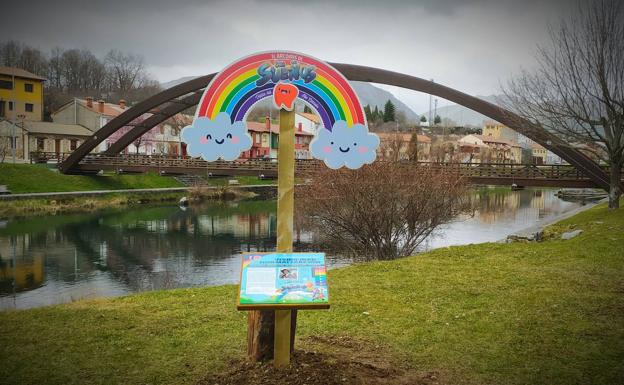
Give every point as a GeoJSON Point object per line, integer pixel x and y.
{"type": "Point", "coordinates": [477, 171]}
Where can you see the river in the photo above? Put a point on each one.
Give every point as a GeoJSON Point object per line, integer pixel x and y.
{"type": "Point", "coordinates": [63, 258]}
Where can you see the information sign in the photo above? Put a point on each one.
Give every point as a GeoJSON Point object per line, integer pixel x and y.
{"type": "Point", "coordinates": [283, 280]}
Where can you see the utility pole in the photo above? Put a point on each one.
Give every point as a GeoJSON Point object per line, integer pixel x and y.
{"type": "Point", "coordinates": [435, 115]}
{"type": "Point", "coordinates": [430, 120]}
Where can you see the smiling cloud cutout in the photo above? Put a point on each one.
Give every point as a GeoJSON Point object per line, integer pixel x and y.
{"type": "Point", "coordinates": [343, 146]}
{"type": "Point", "coordinates": [218, 138]}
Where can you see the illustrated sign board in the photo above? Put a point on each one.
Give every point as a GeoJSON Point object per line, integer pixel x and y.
{"type": "Point", "coordinates": [219, 129]}
{"type": "Point", "coordinates": [283, 280]}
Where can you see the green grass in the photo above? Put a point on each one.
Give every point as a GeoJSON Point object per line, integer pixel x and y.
{"type": "Point", "coordinates": [26, 178]}
{"type": "Point", "coordinates": [31, 178]}
{"type": "Point", "coordinates": [523, 313]}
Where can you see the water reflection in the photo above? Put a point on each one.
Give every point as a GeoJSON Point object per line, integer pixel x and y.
{"type": "Point", "coordinates": [498, 212]}
{"type": "Point", "coordinates": [55, 259]}
{"type": "Point", "coordinates": [63, 258]}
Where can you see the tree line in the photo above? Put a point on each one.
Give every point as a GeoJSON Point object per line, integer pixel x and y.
{"type": "Point", "coordinates": [378, 116]}
{"type": "Point", "coordinates": [79, 73]}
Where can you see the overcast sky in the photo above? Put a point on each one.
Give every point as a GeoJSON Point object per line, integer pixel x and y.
{"type": "Point", "coordinates": [471, 45]}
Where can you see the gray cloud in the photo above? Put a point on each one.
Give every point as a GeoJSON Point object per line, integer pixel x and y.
{"type": "Point", "coordinates": [471, 45]}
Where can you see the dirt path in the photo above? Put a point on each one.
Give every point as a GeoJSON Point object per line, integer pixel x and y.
{"type": "Point", "coordinates": [329, 361]}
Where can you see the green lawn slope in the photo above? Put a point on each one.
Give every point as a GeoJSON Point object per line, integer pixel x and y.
{"type": "Point", "coordinates": [522, 313]}
{"type": "Point", "coordinates": [26, 178]}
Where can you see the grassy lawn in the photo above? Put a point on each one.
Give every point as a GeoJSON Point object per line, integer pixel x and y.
{"type": "Point", "coordinates": [30, 178]}
{"type": "Point", "coordinates": [522, 313]}
{"type": "Point", "coordinates": [26, 178]}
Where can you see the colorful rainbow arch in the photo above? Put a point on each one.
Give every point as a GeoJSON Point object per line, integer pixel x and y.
{"type": "Point", "coordinates": [234, 90]}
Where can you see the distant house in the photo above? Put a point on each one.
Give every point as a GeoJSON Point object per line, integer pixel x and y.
{"type": "Point", "coordinates": [89, 114]}
{"type": "Point", "coordinates": [23, 134]}
{"type": "Point", "coordinates": [499, 131]}
{"type": "Point", "coordinates": [539, 154]}
{"type": "Point", "coordinates": [43, 140]}
{"type": "Point", "coordinates": [265, 141]}
{"type": "Point", "coordinates": [398, 146]}
{"type": "Point", "coordinates": [21, 95]}
{"type": "Point", "coordinates": [491, 149]}
{"type": "Point", "coordinates": [308, 122]}
{"type": "Point", "coordinates": [163, 139]}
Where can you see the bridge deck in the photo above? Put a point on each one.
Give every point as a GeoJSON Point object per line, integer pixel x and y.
{"type": "Point", "coordinates": [478, 173]}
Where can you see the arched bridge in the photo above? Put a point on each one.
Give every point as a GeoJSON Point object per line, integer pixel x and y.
{"type": "Point", "coordinates": [176, 99]}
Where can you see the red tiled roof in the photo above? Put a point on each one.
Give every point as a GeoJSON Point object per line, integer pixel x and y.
{"type": "Point", "coordinates": [109, 109]}
{"type": "Point", "coordinates": [491, 139]}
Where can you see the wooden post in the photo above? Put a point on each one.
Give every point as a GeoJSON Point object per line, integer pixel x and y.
{"type": "Point", "coordinates": [270, 334]}
{"type": "Point", "coordinates": [285, 212]}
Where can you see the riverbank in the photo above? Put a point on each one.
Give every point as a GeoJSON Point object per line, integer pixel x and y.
{"type": "Point", "coordinates": [35, 178]}
{"type": "Point", "coordinates": [540, 313]}
{"type": "Point", "coordinates": [40, 204]}
{"type": "Point", "coordinates": [39, 190]}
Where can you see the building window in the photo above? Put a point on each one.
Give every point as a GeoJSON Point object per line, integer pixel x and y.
{"type": "Point", "coordinates": [6, 84]}
{"type": "Point", "coordinates": [73, 144]}
{"type": "Point", "coordinates": [40, 144]}
{"type": "Point", "coordinates": [29, 107]}
{"type": "Point", "coordinates": [28, 87]}
{"type": "Point", "coordinates": [10, 106]}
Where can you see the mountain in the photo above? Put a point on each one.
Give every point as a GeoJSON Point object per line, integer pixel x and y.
{"type": "Point", "coordinates": [375, 96]}
{"type": "Point", "coordinates": [463, 116]}
{"type": "Point", "coordinates": [367, 93]}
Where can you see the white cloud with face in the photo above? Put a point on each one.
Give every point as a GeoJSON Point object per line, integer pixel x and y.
{"type": "Point", "coordinates": [218, 138]}
{"type": "Point", "coordinates": [345, 146]}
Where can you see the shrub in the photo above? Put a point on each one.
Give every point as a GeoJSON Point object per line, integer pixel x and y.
{"type": "Point", "coordinates": [383, 210]}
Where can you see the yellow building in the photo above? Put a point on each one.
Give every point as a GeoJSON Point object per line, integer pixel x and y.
{"type": "Point", "coordinates": [21, 95]}
{"type": "Point", "coordinates": [499, 131]}
{"type": "Point", "coordinates": [539, 153]}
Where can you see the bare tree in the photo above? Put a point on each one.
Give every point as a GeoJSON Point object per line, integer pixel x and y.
{"type": "Point", "coordinates": [4, 147]}
{"type": "Point", "coordinates": [125, 69]}
{"type": "Point", "coordinates": [413, 147]}
{"type": "Point", "coordinates": [10, 53]}
{"type": "Point", "coordinates": [383, 210]}
{"type": "Point", "coordinates": [577, 91]}
{"type": "Point", "coordinates": [392, 147]}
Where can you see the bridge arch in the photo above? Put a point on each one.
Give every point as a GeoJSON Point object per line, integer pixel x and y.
{"type": "Point", "coordinates": [178, 98]}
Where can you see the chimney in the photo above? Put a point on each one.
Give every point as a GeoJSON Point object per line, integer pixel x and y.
{"type": "Point", "coordinates": [122, 104]}
{"type": "Point", "coordinates": [267, 122]}
{"type": "Point", "coordinates": [89, 102]}
{"type": "Point", "coordinates": [101, 105]}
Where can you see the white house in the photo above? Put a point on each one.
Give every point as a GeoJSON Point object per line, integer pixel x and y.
{"type": "Point", "coordinates": [307, 122]}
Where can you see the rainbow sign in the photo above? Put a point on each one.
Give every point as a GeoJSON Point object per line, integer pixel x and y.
{"type": "Point", "coordinates": [247, 81]}
{"type": "Point", "coordinates": [219, 129]}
